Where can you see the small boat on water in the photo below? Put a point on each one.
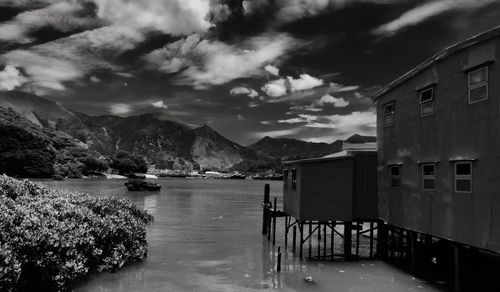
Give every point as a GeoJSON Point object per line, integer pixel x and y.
{"type": "Point", "coordinates": [138, 182]}
{"type": "Point", "coordinates": [58, 177]}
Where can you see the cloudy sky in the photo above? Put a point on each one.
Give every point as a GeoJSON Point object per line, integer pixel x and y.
{"type": "Point", "coordinates": [284, 68]}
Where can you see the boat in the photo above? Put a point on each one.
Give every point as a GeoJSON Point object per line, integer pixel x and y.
{"type": "Point", "coordinates": [58, 177]}
{"type": "Point", "coordinates": [137, 182]}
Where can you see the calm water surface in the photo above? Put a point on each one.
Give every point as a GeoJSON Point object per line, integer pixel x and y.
{"type": "Point", "coordinates": [206, 237]}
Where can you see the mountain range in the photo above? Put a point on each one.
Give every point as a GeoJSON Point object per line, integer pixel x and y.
{"type": "Point", "coordinates": [164, 143]}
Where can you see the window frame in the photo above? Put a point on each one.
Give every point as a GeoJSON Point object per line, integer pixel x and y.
{"type": "Point", "coordinates": [462, 177]}
{"type": "Point", "coordinates": [422, 103]}
{"type": "Point", "coordinates": [424, 177]}
{"type": "Point", "coordinates": [480, 84]}
{"type": "Point", "coordinates": [392, 113]}
{"type": "Point", "coordinates": [395, 177]}
{"type": "Point", "coordinates": [294, 179]}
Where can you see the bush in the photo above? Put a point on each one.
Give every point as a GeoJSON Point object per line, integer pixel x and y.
{"type": "Point", "coordinates": [50, 238]}
{"type": "Point", "coordinates": [125, 162]}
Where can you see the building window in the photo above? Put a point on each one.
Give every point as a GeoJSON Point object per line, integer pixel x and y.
{"type": "Point", "coordinates": [463, 177]}
{"type": "Point", "coordinates": [478, 85]}
{"type": "Point", "coordinates": [428, 177]}
{"type": "Point", "coordinates": [395, 176]}
{"type": "Point", "coordinates": [389, 114]}
{"type": "Point", "coordinates": [294, 179]}
{"type": "Point", "coordinates": [285, 179]}
{"type": "Point", "coordinates": [427, 102]}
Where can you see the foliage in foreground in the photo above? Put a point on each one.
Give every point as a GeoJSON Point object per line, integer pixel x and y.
{"type": "Point", "coordinates": [50, 238]}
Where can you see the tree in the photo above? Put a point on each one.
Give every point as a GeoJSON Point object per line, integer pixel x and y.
{"type": "Point", "coordinates": [125, 162]}
{"type": "Point", "coordinates": [92, 165]}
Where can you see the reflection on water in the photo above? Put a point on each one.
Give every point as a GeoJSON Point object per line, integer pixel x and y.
{"type": "Point", "coordinates": [206, 237]}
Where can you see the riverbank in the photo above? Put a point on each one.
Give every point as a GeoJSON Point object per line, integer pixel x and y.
{"type": "Point", "coordinates": [50, 238]}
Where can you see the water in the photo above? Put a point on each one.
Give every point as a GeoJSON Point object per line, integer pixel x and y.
{"type": "Point", "coordinates": [207, 237]}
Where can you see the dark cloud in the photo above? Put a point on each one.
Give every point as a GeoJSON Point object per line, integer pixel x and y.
{"type": "Point", "coordinates": [214, 61]}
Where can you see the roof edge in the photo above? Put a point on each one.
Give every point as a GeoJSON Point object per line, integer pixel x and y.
{"type": "Point", "coordinates": [442, 55]}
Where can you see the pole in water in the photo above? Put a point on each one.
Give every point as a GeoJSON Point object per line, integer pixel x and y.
{"type": "Point", "coordinates": [319, 240]}
{"type": "Point", "coordinates": [278, 268]}
{"type": "Point", "coordinates": [310, 237]}
{"type": "Point", "coordinates": [274, 220]}
{"type": "Point", "coordinates": [294, 235]}
{"type": "Point", "coordinates": [264, 212]}
{"type": "Point", "coordinates": [324, 241]}
{"type": "Point", "coordinates": [332, 240]}
{"type": "Point", "coordinates": [371, 239]}
{"type": "Point", "coordinates": [301, 238]}
{"type": "Point", "coordinates": [286, 232]}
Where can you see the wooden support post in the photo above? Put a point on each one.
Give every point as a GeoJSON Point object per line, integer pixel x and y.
{"type": "Point", "coordinates": [319, 240]}
{"type": "Point", "coordinates": [456, 268]}
{"type": "Point", "coordinates": [286, 232]}
{"type": "Point", "coordinates": [358, 226]}
{"type": "Point", "coordinates": [391, 245]}
{"type": "Point", "coordinates": [301, 238]}
{"type": "Point", "coordinates": [412, 240]}
{"type": "Point", "coordinates": [332, 241]}
{"type": "Point", "coordinates": [294, 235]}
{"type": "Point", "coordinates": [310, 239]}
{"type": "Point", "coordinates": [382, 238]}
{"type": "Point", "coordinates": [274, 220]}
{"type": "Point", "coordinates": [371, 239]}
{"type": "Point", "coordinates": [278, 267]}
{"type": "Point", "coordinates": [265, 211]}
{"type": "Point", "coordinates": [324, 241]}
{"type": "Point", "coordinates": [347, 239]}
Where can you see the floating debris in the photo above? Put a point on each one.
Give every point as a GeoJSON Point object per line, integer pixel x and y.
{"type": "Point", "coordinates": [308, 279]}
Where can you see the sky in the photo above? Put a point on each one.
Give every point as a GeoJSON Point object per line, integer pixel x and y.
{"type": "Point", "coordinates": [303, 69]}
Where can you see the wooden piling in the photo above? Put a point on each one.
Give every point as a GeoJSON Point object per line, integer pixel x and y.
{"type": "Point", "coordinates": [278, 267]}
{"type": "Point", "coordinates": [347, 239]}
{"type": "Point", "coordinates": [286, 232]}
{"type": "Point", "coordinates": [456, 267]}
{"type": "Point", "coordinates": [309, 236]}
{"type": "Point", "coordinates": [324, 240]}
{"type": "Point", "coordinates": [358, 227]}
{"type": "Point", "coordinates": [332, 241]}
{"type": "Point", "coordinates": [294, 235]}
{"type": "Point", "coordinates": [371, 239]}
{"type": "Point", "coordinates": [319, 240]}
{"type": "Point", "coordinates": [274, 219]}
{"type": "Point", "coordinates": [265, 211]}
{"type": "Point", "coordinates": [301, 238]}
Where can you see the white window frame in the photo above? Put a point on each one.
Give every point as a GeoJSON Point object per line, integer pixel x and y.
{"type": "Point", "coordinates": [463, 177]}
{"type": "Point", "coordinates": [481, 84]}
{"type": "Point", "coordinates": [422, 103]}
{"type": "Point", "coordinates": [389, 114]}
{"type": "Point", "coordinates": [398, 177]}
{"type": "Point", "coordinates": [424, 177]}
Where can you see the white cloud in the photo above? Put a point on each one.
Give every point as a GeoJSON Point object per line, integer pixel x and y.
{"type": "Point", "coordinates": [62, 15]}
{"type": "Point", "coordinates": [11, 78]}
{"type": "Point", "coordinates": [176, 17]}
{"type": "Point", "coordinates": [272, 69]}
{"type": "Point", "coordinates": [423, 12]}
{"type": "Point", "coordinates": [275, 88]}
{"type": "Point", "coordinates": [336, 87]}
{"type": "Point", "coordinates": [159, 104]}
{"type": "Point", "coordinates": [309, 108]}
{"type": "Point", "coordinates": [244, 90]}
{"type": "Point", "coordinates": [328, 99]}
{"type": "Point", "coordinates": [211, 62]}
{"type": "Point", "coordinates": [120, 109]}
{"type": "Point", "coordinates": [304, 82]}
{"type": "Point", "coordinates": [94, 79]}
{"type": "Point", "coordinates": [276, 133]}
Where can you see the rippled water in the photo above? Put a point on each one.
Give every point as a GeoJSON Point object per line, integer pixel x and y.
{"type": "Point", "coordinates": [206, 237]}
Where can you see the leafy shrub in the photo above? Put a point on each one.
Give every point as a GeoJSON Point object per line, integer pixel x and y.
{"type": "Point", "coordinates": [125, 162]}
{"type": "Point", "coordinates": [50, 238]}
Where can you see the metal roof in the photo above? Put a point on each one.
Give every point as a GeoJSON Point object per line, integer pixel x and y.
{"type": "Point", "coordinates": [477, 39]}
